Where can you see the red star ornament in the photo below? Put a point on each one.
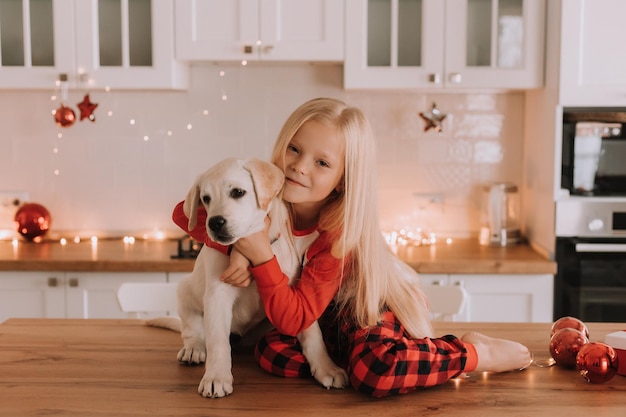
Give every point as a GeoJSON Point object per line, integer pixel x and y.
{"type": "Point", "coordinates": [86, 109]}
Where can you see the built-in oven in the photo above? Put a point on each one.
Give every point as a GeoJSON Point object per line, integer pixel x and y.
{"type": "Point", "coordinates": [594, 151]}
{"type": "Point", "coordinates": [591, 259]}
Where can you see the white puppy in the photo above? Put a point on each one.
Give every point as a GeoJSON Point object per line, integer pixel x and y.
{"type": "Point", "coordinates": [238, 195]}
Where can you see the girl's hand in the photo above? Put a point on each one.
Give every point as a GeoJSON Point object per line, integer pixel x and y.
{"type": "Point", "coordinates": [256, 247]}
{"type": "Point", "coordinates": [237, 273]}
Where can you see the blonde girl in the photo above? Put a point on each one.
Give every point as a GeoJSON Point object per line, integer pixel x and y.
{"type": "Point", "coordinates": [373, 314]}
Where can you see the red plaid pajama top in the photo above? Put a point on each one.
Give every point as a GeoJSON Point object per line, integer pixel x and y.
{"type": "Point", "coordinates": [381, 360]}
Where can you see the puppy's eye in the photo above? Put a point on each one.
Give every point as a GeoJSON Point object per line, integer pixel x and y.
{"type": "Point", "coordinates": [206, 199]}
{"type": "Point", "coordinates": [237, 193]}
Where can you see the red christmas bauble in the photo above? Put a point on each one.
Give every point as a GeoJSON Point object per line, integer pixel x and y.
{"type": "Point", "coordinates": [33, 220]}
{"type": "Point", "coordinates": [571, 323]}
{"type": "Point", "coordinates": [64, 116]}
{"type": "Point", "coordinates": [597, 362]}
{"type": "Point", "coordinates": [565, 344]}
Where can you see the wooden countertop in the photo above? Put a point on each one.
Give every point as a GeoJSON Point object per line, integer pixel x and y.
{"type": "Point", "coordinates": [123, 368]}
{"type": "Point", "coordinates": [466, 256]}
{"type": "Point", "coordinates": [105, 256]}
{"type": "Point", "coordinates": [459, 257]}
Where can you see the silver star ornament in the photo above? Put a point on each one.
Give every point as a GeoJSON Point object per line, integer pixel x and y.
{"type": "Point", "coordinates": [433, 119]}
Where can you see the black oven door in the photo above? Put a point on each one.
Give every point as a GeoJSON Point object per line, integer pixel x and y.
{"type": "Point", "coordinates": [591, 280]}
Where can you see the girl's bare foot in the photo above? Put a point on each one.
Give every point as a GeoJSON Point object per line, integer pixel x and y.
{"type": "Point", "coordinates": [497, 355]}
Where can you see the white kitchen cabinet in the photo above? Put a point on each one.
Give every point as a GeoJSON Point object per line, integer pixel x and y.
{"type": "Point", "coordinates": [66, 294]}
{"type": "Point", "coordinates": [92, 295]}
{"type": "Point", "coordinates": [269, 30]}
{"type": "Point", "coordinates": [31, 295]}
{"type": "Point", "coordinates": [593, 67]}
{"type": "Point", "coordinates": [176, 276]}
{"type": "Point", "coordinates": [437, 44]}
{"type": "Point", "coordinates": [502, 297]}
{"type": "Point", "coordinates": [444, 279]}
{"type": "Point", "coordinates": [118, 44]}
{"type": "Point", "coordinates": [585, 67]}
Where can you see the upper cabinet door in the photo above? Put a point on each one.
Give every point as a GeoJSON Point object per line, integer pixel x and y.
{"type": "Point", "coordinates": [593, 66]}
{"type": "Point", "coordinates": [98, 43]}
{"type": "Point", "coordinates": [452, 44]}
{"type": "Point", "coordinates": [271, 30]}
{"type": "Point", "coordinates": [495, 43]}
{"type": "Point", "coordinates": [127, 44]}
{"type": "Point", "coordinates": [216, 29]}
{"type": "Point", "coordinates": [394, 44]}
{"type": "Point", "coordinates": [37, 42]}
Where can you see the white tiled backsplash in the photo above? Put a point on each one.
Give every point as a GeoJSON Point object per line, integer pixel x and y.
{"type": "Point", "coordinates": [126, 171]}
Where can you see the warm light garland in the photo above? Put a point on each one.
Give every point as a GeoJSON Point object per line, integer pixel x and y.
{"type": "Point", "coordinates": [156, 236]}
{"type": "Point", "coordinates": [407, 237]}
{"type": "Point", "coordinates": [133, 121]}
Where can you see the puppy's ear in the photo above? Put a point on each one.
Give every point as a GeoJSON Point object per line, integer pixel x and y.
{"type": "Point", "coordinates": [190, 205]}
{"type": "Point", "coordinates": [267, 178]}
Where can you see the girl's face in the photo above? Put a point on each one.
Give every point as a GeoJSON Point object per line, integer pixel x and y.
{"type": "Point", "coordinates": [314, 165]}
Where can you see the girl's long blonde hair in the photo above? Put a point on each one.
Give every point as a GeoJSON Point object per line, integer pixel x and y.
{"type": "Point", "coordinates": [378, 279]}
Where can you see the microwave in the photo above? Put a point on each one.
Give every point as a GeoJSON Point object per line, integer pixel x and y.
{"type": "Point", "coordinates": [594, 151]}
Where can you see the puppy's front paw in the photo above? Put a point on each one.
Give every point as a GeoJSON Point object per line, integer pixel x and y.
{"type": "Point", "coordinates": [330, 376]}
{"type": "Point", "coordinates": [215, 386]}
{"type": "Point", "coordinates": [192, 355]}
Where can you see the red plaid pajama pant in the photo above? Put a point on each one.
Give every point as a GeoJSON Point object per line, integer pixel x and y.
{"type": "Point", "coordinates": [380, 361]}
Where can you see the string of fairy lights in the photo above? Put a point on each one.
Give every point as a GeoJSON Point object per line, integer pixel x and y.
{"type": "Point", "coordinates": [65, 117]}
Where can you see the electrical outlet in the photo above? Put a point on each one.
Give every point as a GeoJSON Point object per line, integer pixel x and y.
{"type": "Point", "coordinates": [9, 203]}
{"type": "Point", "coordinates": [429, 200]}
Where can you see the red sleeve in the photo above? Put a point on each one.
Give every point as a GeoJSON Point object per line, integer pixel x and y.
{"type": "Point", "coordinates": [291, 309]}
{"type": "Point", "coordinates": [199, 232]}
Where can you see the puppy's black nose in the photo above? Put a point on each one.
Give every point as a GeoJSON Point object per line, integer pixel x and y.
{"type": "Point", "coordinates": [216, 223]}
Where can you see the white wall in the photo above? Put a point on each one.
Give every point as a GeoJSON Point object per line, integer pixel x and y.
{"type": "Point", "coordinates": [112, 181]}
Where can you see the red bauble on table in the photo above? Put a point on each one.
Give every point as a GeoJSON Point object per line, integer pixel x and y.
{"type": "Point", "coordinates": [597, 362]}
{"type": "Point", "coordinates": [565, 344]}
{"type": "Point", "coordinates": [571, 323]}
{"type": "Point", "coordinates": [33, 220]}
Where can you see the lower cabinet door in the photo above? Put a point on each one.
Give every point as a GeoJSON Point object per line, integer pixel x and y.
{"type": "Point", "coordinates": [32, 295]}
{"type": "Point", "coordinates": [508, 297]}
{"type": "Point", "coordinates": [501, 297]}
{"type": "Point", "coordinates": [93, 295]}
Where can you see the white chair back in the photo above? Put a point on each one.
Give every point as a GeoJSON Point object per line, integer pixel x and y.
{"type": "Point", "coordinates": [445, 301]}
{"type": "Point", "coordinates": [148, 299]}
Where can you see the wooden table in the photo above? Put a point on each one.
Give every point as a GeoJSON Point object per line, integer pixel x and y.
{"type": "Point", "coordinates": [122, 368]}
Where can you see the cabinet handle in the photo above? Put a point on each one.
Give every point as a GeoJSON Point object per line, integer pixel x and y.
{"type": "Point", "coordinates": [434, 78]}
{"type": "Point", "coordinates": [268, 49]}
{"type": "Point", "coordinates": [459, 283]}
{"type": "Point", "coordinates": [73, 282]}
{"type": "Point", "coordinates": [455, 78]}
{"type": "Point", "coordinates": [53, 282]}
{"type": "Point", "coordinates": [436, 282]}
{"type": "Point", "coordinates": [248, 49]}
